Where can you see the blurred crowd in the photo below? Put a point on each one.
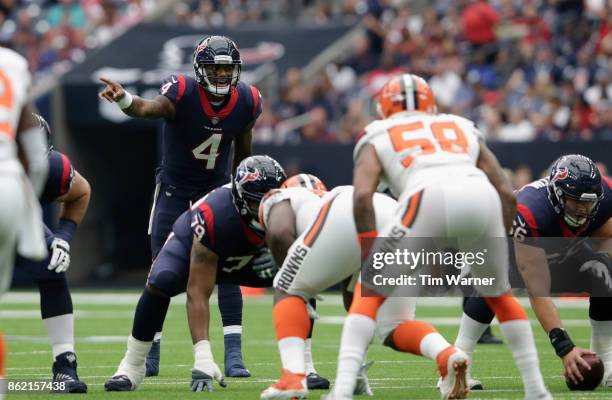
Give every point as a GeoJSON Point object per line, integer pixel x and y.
{"type": "Point", "coordinates": [523, 174]}
{"type": "Point", "coordinates": [522, 70]}
{"type": "Point", "coordinates": [53, 35]}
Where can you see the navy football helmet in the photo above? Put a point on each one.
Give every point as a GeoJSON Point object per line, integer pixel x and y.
{"type": "Point", "coordinates": [575, 177]}
{"type": "Point", "coordinates": [255, 176]}
{"type": "Point", "coordinates": [44, 125]}
{"type": "Point", "coordinates": [217, 64]}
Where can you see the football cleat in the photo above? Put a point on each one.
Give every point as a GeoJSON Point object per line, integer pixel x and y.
{"type": "Point", "coordinates": [289, 386]}
{"type": "Point", "coordinates": [152, 361]}
{"type": "Point", "coordinates": [119, 383]}
{"type": "Point", "coordinates": [362, 385]}
{"type": "Point", "coordinates": [473, 384]}
{"type": "Point", "coordinates": [65, 371]}
{"type": "Point", "coordinates": [234, 366]}
{"type": "Point", "coordinates": [454, 385]}
{"type": "Point", "coordinates": [315, 381]}
{"type": "Point", "coordinates": [542, 396]}
{"type": "Point", "coordinates": [488, 337]}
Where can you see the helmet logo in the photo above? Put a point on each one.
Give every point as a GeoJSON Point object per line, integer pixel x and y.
{"type": "Point", "coordinates": [561, 174]}
{"type": "Point", "coordinates": [250, 176]}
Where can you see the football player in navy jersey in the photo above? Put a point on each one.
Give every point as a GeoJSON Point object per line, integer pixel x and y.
{"type": "Point", "coordinates": [555, 216]}
{"type": "Point", "coordinates": [67, 187]}
{"type": "Point", "coordinates": [223, 225]}
{"type": "Point", "coordinates": [203, 116]}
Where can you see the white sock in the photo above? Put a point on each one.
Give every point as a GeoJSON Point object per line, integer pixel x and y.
{"type": "Point", "coordinates": [157, 336]}
{"type": "Point", "coordinates": [133, 363]}
{"type": "Point", "coordinates": [60, 330]}
{"type": "Point", "coordinates": [357, 333]}
{"type": "Point", "coordinates": [292, 354]}
{"type": "Point", "coordinates": [520, 339]}
{"type": "Point", "coordinates": [601, 343]}
{"type": "Point", "coordinates": [470, 331]}
{"type": "Point", "coordinates": [230, 329]}
{"type": "Point", "coordinates": [432, 344]}
{"type": "Point", "coordinates": [310, 368]}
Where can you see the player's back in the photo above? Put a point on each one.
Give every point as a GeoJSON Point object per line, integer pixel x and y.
{"type": "Point", "coordinates": [304, 203]}
{"type": "Point", "coordinates": [14, 84]}
{"type": "Point", "coordinates": [419, 148]}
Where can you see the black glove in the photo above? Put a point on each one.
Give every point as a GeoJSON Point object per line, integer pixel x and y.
{"type": "Point", "coordinates": [263, 264]}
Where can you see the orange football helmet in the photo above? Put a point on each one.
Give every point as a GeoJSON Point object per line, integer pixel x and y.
{"type": "Point", "coordinates": [406, 92]}
{"type": "Point", "coordinates": [307, 181]}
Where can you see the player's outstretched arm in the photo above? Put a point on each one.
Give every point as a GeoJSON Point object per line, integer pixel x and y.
{"type": "Point", "coordinates": [244, 146]}
{"type": "Point", "coordinates": [488, 163]}
{"type": "Point", "coordinates": [135, 106]}
{"type": "Point", "coordinates": [202, 277]}
{"type": "Point", "coordinates": [533, 266]}
{"type": "Point", "coordinates": [280, 230]}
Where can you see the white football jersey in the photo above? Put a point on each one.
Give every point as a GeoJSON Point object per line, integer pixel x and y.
{"type": "Point", "coordinates": [14, 85]}
{"type": "Point", "coordinates": [416, 148]}
{"type": "Point", "coordinates": [305, 205]}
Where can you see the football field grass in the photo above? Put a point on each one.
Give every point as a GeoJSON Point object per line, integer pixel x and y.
{"type": "Point", "coordinates": [103, 321]}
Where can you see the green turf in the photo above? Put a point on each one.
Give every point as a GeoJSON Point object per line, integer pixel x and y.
{"type": "Point", "coordinates": [393, 376]}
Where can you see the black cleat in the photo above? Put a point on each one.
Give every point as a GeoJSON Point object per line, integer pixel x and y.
{"type": "Point", "coordinates": [65, 378]}
{"type": "Point", "coordinates": [315, 381]}
{"type": "Point", "coordinates": [488, 338]}
{"type": "Point", "coordinates": [118, 383]}
{"type": "Point", "coordinates": [152, 361]}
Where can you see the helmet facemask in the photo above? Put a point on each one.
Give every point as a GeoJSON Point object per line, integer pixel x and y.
{"type": "Point", "coordinates": [221, 81]}
{"type": "Point", "coordinates": [577, 212]}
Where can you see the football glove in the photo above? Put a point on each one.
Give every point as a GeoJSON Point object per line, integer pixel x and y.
{"type": "Point", "coordinates": [204, 368]}
{"type": "Point", "coordinates": [60, 256]}
{"type": "Point", "coordinates": [263, 264]}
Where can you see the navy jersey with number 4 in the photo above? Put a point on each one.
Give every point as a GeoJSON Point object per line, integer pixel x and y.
{"type": "Point", "coordinates": [217, 224]}
{"type": "Point", "coordinates": [197, 142]}
{"type": "Point", "coordinates": [60, 178]}
{"type": "Point", "coordinates": [536, 218]}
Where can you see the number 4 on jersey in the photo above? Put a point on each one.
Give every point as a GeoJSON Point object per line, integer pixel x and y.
{"type": "Point", "coordinates": [208, 150]}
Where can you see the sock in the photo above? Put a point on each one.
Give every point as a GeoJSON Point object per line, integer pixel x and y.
{"type": "Point", "coordinates": [601, 343]}
{"type": "Point", "coordinates": [157, 337]}
{"type": "Point", "coordinates": [357, 333]}
{"type": "Point", "coordinates": [310, 368]}
{"type": "Point", "coordinates": [60, 330]}
{"type": "Point", "coordinates": [516, 329]}
{"type": "Point", "coordinates": [291, 325]}
{"type": "Point", "coordinates": [149, 315]}
{"type": "Point", "coordinates": [230, 305]}
{"type": "Point", "coordinates": [313, 304]}
{"type": "Point", "coordinates": [478, 309]}
{"type": "Point", "coordinates": [470, 331]}
{"type": "Point", "coordinates": [232, 342]}
{"type": "Point", "coordinates": [54, 297]}
{"type": "Point", "coordinates": [134, 358]}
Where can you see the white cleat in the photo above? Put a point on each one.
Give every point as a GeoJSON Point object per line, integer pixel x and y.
{"type": "Point", "coordinates": [542, 396]}
{"type": "Point", "coordinates": [455, 385]}
{"type": "Point", "coordinates": [362, 386]}
{"type": "Point", "coordinates": [473, 384]}
{"type": "Point", "coordinates": [289, 386]}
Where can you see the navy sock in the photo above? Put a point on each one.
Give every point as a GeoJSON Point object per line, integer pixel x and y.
{"type": "Point", "coordinates": [313, 303]}
{"type": "Point", "coordinates": [230, 304]}
{"type": "Point", "coordinates": [232, 342]}
{"type": "Point", "coordinates": [478, 309]}
{"type": "Point", "coordinates": [149, 316]}
{"type": "Point", "coordinates": [54, 297]}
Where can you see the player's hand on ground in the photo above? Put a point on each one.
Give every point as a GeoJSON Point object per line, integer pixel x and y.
{"type": "Point", "coordinates": [202, 376]}
{"type": "Point", "coordinates": [60, 256]}
{"type": "Point", "coordinates": [571, 361]}
{"type": "Point", "coordinates": [264, 265]}
{"type": "Point", "coordinates": [113, 91]}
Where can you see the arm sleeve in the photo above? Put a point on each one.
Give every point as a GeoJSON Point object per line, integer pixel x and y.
{"type": "Point", "coordinates": [203, 225]}
{"type": "Point", "coordinates": [173, 88]}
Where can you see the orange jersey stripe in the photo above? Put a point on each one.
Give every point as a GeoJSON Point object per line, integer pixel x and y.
{"type": "Point", "coordinates": [412, 210]}
{"type": "Point", "coordinates": [314, 231]}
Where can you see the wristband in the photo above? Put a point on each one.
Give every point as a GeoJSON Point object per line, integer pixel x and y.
{"type": "Point", "coordinates": [125, 101]}
{"type": "Point", "coordinates": [201, 350]}
{"type": "Point", "coordinates": [65, 229]}
{"type": "Point", "coordinates": [561, 341]}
